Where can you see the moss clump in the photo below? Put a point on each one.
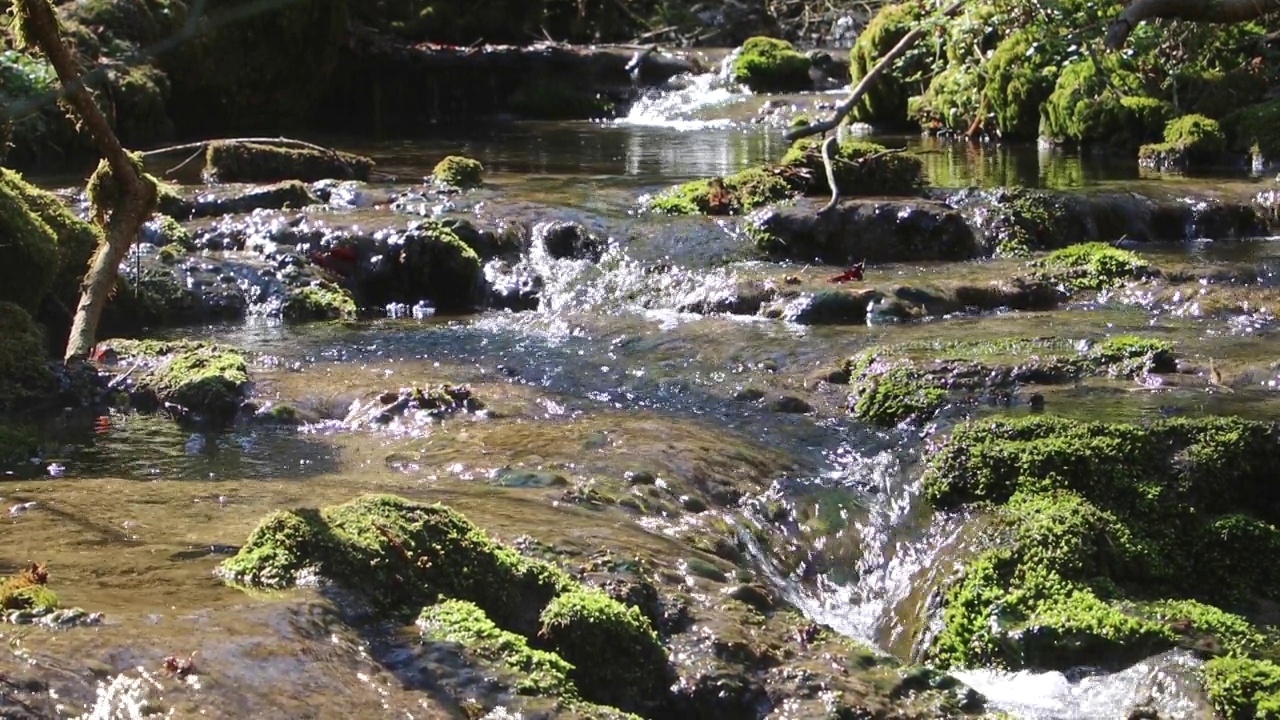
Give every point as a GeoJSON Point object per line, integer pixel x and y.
{"type": "Point", "coordinates": [1106, 105]}
{"type": "Point", "coordinates": [29, 261]}
{"type": "Point", "coordinates": [736, 194]}
{"type": "Point", "coordinates": [1089, 516]}
{"type": "Point", "coordinates": [885, 102]}
{"type": "Point", "coordinates": [1090, 266]}
{"type": "Point", "coordinates": [403, 555]}
{"type": "Point", "coordinates": [437, 261]}
{"type": "Point", "coordinates": [323, 301]}
{"type": "Point", "coordinates": [893, 396]}
{"type": "Point", "coordinates": [1256, 129]}
{"type": "Point", "coordinates": [615, 652]}
{"type": "Point", "coordinates": [460, 172]}
{"type": "Point", "coordinates": [860, 168]}
{"type": "Point", "coordinates": [76, 240]}
{"type": "Point", "coordinates": [28, 590]}
{"type": "Point", "coordinates": [1130, 355]}
{"type": "Point", "coordinates": [168, 231]}
{"type": "Point", "coordinates": [769, 65]}
{"type": "Point", "coordinates": [529, 671]}
{"type": "Point", "coordinates": [204, 379]}
{"type": "Point", "coordinates": [951, 102]}
{"type": "Point", "coordinates": [1243, 689]}
{"type": "Point", "coordinates": [1020, 76]}
{"type": "Point", "coordinates": [229, 161]}
{"type": "Point", "coordinates": [1188, 140]}
{"type": "Point", "coordinates": [25, 377]}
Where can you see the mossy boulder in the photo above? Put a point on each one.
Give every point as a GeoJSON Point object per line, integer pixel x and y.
{"type": "Point", "coordinates": [25, 376]}
{"type": "Point", "coordinates": [164, 231]}
{"type": "Point", "coordinates": [1191, 140]}
{"type": "Point", "coordinates": [194, 379]}
{"type": "Point", "coordinates": [1089, 521]}
{"type": "Point", "coordinates": [860, 168]}
{"type": "Point", "coordinates": [437, 264]}
{"type": "Point", "coordinates": [230, 161]}
{"type": "Point", "coordinates": [459, 172]}
{"type": "Point", "coordinates": [1103, 105]}
{"type": "Point", "coordinates": [615, 652]}
{"type": "Point", "coordinates": [735, 194]}
{"type": "Point", "coordinates": [319, 301]}
{"type": "Point", "coordinates": [1020, 75]}
{"type": "Point", "coordinates": [885, 102]}
{"type": "Point", "coordinates": [770, 65]}
{"type": "Point", "coordinates": [891, 384]}
{"type": "Point", "coordinates": [29, 260]}
{"type": "Point", "coordinates": [1090, 266]}
{"type": "Point", "coordinates": [1255, 129]}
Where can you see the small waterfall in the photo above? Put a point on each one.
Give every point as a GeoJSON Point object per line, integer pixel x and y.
{"type": "Point", "coordinates": [680, 102]}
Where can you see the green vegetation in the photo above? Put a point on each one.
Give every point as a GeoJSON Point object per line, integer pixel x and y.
{"type": "Point", "coordinates": [885, 102]}
{"type": "Point", "coordinates": [770, 65]}
{"type": "Point", "coordinates": [29, 261]}
{"type": "Point", "coordinates": [204, 379]}
{"type": "Point", "coordinates": [1092, 104]}
{"type": "Point", "coordinates": [320, 301]}
{"type": "Point", "coordinates": [1243, 689]}
{"type": "Point", "coordinates": [860, 168]}
{"type": "Point", "coordinates": [228, 161]}
{"type": "Point", "coordinates": [1090, 266]}
{"type": "Point", "coordinates": [460, 172]}
{"type": "Point", "coordinates": [25, 377]}
{"type": "Point", "coordinates": [445, 265]}
{"type": "Point", "coordinates": [1188, 140]}
{"type": "Point", "coordinates": [1256, 129]}
{"type": "Point", "coordinates": [1089, 520]}
{"type": "Point", "coordinates": [27, 590]}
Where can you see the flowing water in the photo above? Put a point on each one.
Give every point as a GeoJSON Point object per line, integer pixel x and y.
{"type": "Point", "coordinates": [611, 375]}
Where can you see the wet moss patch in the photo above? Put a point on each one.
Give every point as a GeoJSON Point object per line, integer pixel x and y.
{"type": "Point", "coordinates": [459, 172]}
{"type": "Point", "coordinates": [254, 163]}
{"type": "Point", "coordinates": [1090, 266]}
{"type": "Point", "coordinates": [1093, 524]}
{"type": "Point", "coordinates": [319, 301]}
{"type": "Point", "coordinates": [1189, 141]}
{"type": "Point", "coordinates": [893, 383]}
{"type": "Point", "coordinates": [29, 261]}
{"type": "Point", "coordinates": [195, 379]}
{"type": "Point", "coordinates": [770, 65]}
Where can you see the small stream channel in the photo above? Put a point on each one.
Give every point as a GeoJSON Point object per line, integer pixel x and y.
{"type": "Point", "coordinates": [608, 376]}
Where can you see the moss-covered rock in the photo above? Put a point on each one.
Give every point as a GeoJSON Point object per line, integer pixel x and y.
{"type": "Point", "coordinates": [1089, 519]}
{"type": "Point", "coordinates": [458, 171]}
{"type": "Point", "coordinates": [911, 381]}
{"type": "Point", "coordinates": [770, 65]}
{"type": "Point", "coordinates": [1191, 140]}
{"type": "Point", "coordinates": [735, 194]}
{"type": "Point", "coordinates": [860, 168]}
{"type": "Point", "coordinates": [29, 260]}
{"type": "Point", "coordinates": [1106, 105]}
{"type": "Point", "coordinates": [28, 590]}
{"type": "Point", "coordinates": [164, 231]}
{"type": "Point", "coordinates": [1255, 129]}
{"type": "Point", "coordinates": [1090, 266]}
{"type": "Point", "coordinates": [25, 377]}
{"type": "Point", "coordinates": [438, 265]}
{"type": "Point", "coordinates": [885, 102]}
{"type": "Point", "coordinates": [230, 161]}
{"type": "Point", "coordinates": [1020, 76]}
{"type": "Point", "coordinates": [1242, 688]}
{"type": "Point", "coordinates": [319, 301]}
{"type": "Point", "coordinates": [615, 652]}
{"type": "Point", "coordinates": [194, 378]}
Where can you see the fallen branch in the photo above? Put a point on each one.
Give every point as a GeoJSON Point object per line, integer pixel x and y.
{"type": "Point", "coordinates": [1202, 11]}
{"type": "Point", "coordinates": [846, 106]}
{"type": "Point", "coordinates": [135, 196]}
{"type": "Point", "coordinates": [201, 145]}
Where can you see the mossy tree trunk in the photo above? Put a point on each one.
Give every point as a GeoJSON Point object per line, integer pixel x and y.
{"type": "Point", "coordinates": [135, 200]}
{"type": "Point", "coordinates": [1206, 11]}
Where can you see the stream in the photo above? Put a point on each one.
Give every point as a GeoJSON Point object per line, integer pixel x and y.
{"type": "Point", "coordinates": [610, 375]}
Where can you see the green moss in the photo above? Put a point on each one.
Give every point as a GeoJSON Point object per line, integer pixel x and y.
{"type": "Point", "coordinates": [460, 172]}
{"type": "Point", "coordinates": [616, 654]}
{"type": "Point", "coordinates": [951, 102]}
{"type": "Point", "coordinates": [403, 555]}
{"type": "Point", "coordinates": [139, 112]}
{"type": "Point", "coordinates": [25, 377]}
{"type": "Point", "coordinates": [27, 590]}
{"type": "Point", "coordinates": [445, 265]}
{"type": "Point", "coordinates": [529, 671]}
{"type": "Point", "coordinates": [29, 261]}
{"type": "Point", "coordinates": [860, 168]}
{"type": "Point", "coordinates": [105, 193]}
{"type": "Point", "coordinates": [885, 102]}
{"type": "Point", "coordinates": [209, 380]}
{"type": "Point", "coordinates": [1107, 105]}
{"type": "Point", "coordinates": [170, 254]}
{"type": "Point", "coordinates": [1217, 94]}
{"type": "Point", "coordinates": [1242, 689]}
{"type": "Point", "coordinates": [1090, 266]}
{"type": "Point", "coordinates": [324, 301]}
{"type": "Point", "coordinates": [169, 232]}
{"type": "Point", "coordinates": [1256, 128]}
{"type": "Point", "coordinates": [76, 239]}
{"type": "Point", "coordinates": [890, 397]}
{"type": "Point", "coordinates": [230, 162]}
{"type": "Point", "coordinates": [1020, 76]}
{"type": "Point", "coordinates": [1188, 140]}
{"type": "Point", "coordinates": [1130, 355]}
{"type": "Point", "coordinates": [736, 194]}
{"type": "Point", "coordinates": [1206, 628]}
{"type": "Point", "coordinates": [770, 65]}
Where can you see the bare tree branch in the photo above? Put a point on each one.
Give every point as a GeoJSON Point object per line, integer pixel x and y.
{"type": "Point", "coordinates": [846, 105]}
{"type": "Point", "coordinates": [1205, 11]}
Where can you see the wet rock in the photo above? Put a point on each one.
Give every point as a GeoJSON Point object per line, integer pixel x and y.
{"type": "Point", "coordinates": [790, 404]}
{"type": "Point", "coordinates": [288, 194]}
{"type": "Point", "coordinates": [748, 395]}
{"type": "Point", "coordinates": [246, 162]}
{"type": "Point", "coordinates": [195, 381]}
{"type": "Point", "coordinates": [1090, 266]}
{"type": "Point", "coordinates": [458, 172]}
{"type": "Point", "coordinates": [411, 406]}
{"type": "Point", "coordinates": [756, 596]}
{"type": "Point", "coordinates": [870, 230]}
{"type": "Point", "coordinates": [640, 477]}
{"type": "Point", "coordinates": [25, 376]}
{"type": "Point", "coordinates": [567, 240]}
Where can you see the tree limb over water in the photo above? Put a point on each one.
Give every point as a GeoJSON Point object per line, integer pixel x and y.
{"type": "Point", "coordinates": [846, 106]}
{"type": "Point", "coordinates": [1203, 11]}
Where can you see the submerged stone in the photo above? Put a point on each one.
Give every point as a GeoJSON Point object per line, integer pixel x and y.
{"type": "Point", "coordinates": [319, 301]}
{"type": "Point", "coordinates": [871, 230]}
{"type": "Point", "coordinates": [1095, 518]}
